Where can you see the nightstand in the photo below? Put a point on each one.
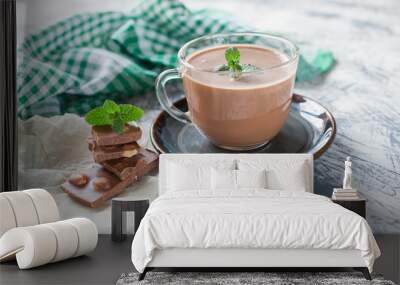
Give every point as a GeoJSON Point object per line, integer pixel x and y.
{"type": "Point", "coordinates": [358, 206]}
{"type": "Point", "coordinates": [119, 207]}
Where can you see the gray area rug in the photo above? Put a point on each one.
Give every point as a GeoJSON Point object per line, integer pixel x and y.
{"type": "Point", "coordinates": [269, 278]}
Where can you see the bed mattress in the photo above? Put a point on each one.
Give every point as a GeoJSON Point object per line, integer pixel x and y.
{"type": "Point", "coordinates": [250, 219]}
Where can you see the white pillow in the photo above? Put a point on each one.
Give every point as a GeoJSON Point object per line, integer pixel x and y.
{"type": "Point", "coordinates": [192, 173]}
{"type": "Point", "coordinates": [223, 179]}
{"type": "Point", "coordinates": [251, 178]}
{"type": "Point", "coordinates": [292, 179]}
{"type": "Point", "coordinates": [282, 174]}
{"type": "Point", "coordinates": [183, 177]}
{"type": "Point", "coordinates": [230, 180]}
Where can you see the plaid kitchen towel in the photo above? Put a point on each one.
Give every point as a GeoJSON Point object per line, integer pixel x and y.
{"type": "Point", "coordinates": [74, 65]}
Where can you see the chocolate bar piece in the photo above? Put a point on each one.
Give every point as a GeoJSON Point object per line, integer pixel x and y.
{"type": "Point", "coordinates": [104, 135]}
{"type": "Point", "coordinates": [95, 186]}
{"type": "Point", "coordinates": [135, 166]}
{"type": "Point", "coordinates": [103, 153]}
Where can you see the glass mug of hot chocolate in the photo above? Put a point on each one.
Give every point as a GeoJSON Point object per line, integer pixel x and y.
{"type": "Point", "coordinates": [238, 87]}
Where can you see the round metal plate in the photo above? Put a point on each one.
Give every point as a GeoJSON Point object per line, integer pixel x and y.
{"type": "Point", "coordinates": [310, 128]}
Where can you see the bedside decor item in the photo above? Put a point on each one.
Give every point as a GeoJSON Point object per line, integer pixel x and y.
{"type": "Point", "coordinates": [32, 234]}
{"type": "Point", "coordinates": [118, 215]}
{"type": "Point", "coordinates": [114, 146]}
{"type": "Point", "coordinates": [345, 194]}
{"type": "Point", "coordinates": [347, 174]}
{"type": "Point", "coordinates": [247, 78]}
{"type": "Point", "coordinates": [310, 128]}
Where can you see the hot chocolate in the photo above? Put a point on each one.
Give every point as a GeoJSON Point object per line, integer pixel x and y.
{"type": "Point", "coordinates": [242, 112]}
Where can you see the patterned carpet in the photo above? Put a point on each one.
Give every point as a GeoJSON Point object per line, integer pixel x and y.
{"type": "Point", "coordinates": [243, 278]}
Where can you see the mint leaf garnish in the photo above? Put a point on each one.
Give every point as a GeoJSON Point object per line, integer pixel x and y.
{"type": "Point", "coordinates": [118, 125]}
{"type": "Point", "coordinates": [232, 56]}
{"type": "Point", "coordinates": [98, 116]}
{"type": "Point", "coordinates": [111, 107]}
{"type": "Point", "coordinates": [130, 113]}
{"type": "Point", "coordinates": [114, 115]}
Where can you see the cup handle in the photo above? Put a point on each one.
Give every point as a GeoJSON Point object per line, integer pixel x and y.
{"type": "Point", "coordinates": [163, 98]}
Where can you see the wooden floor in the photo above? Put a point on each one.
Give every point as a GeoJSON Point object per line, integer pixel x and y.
{"type": "Point", "coordinates": [110, 260]}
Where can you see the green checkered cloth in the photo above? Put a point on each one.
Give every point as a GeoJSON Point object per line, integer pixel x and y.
{"type": "Point", "coordinates": [76, 64]}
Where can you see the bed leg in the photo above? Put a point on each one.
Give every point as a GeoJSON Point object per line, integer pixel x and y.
{"type": "Point", "coordinates": [364, 271]}
{"type": "Point", "coordinates": [142, 275]}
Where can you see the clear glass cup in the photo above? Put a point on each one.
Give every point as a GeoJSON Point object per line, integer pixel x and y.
{"type": "Point", "coordinates": [236, 114]}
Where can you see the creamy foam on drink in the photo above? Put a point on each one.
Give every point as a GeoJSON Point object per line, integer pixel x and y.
{"type": "Point", "coordinates": [242, 112]}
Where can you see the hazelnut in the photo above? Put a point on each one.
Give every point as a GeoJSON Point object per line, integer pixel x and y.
{"type": "Point", "coordinates": [78, 179]}
{"type": "Point", "coordinates": [101, 184]}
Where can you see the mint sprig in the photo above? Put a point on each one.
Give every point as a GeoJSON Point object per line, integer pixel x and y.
{"type": "Point", "coordinates": [233, 66]}
{"type": "Point", "coordinates": [232, 56]}
{"type": "Point", "coordinates": [114, 115]}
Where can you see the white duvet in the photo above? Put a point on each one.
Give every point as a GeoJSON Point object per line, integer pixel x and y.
{"type": "Point", "coordinates": [250, 218]}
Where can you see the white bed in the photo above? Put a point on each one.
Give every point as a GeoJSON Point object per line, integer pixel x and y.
{"type": "Point", "coordinates": [193, 224]}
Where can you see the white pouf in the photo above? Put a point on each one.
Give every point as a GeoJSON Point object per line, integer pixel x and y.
{"type": "Point", "coordinates": [37, 245]}
{"type": "Point", "coordinates": [7, 220]}
{"type": "Point", "coordinates": [27, 208]}
{"type": "Point", "coordinates": [46, 207]}
{"type": "Point", "coordinates": [23, 208]}
{"type": "Point", "coordinates": [31, 233]}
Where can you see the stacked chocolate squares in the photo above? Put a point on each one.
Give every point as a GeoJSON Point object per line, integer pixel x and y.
{"type": "Point", "coordinates": [120, 162]}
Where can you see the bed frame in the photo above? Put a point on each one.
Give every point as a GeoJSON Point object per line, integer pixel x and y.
{"type": "Point", "coordinates": [236, 259]}
{"type": "Point", "coordinates": [260, 259]}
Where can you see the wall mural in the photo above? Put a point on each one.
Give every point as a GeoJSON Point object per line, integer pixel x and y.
{"type": "Point", "coordinates": [360, 91]}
